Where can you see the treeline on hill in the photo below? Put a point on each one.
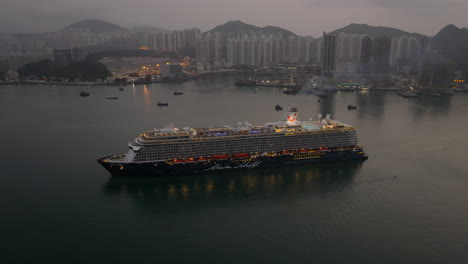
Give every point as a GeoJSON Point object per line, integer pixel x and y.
{"type": "Point", "coordinates": [82, 70]}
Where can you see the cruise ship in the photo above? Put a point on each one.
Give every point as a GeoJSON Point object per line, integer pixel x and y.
{"type": "Point", "coordinates": [288, 142]}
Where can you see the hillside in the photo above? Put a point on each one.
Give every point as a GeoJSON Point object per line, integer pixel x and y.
{"type": "Point", "coordinates": [375, 31]}
{"type": "Point", "coordinates": [95, 26]}
{"type": "Point", "coordinates": [452, 42]}
{"type": "Point", "coordinates": [239, 27]}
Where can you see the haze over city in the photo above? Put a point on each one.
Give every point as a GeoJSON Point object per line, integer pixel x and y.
{"type": "Point", "coordinates": [233, 131]}
{"type": "Point", "coordinates": [304, 17]}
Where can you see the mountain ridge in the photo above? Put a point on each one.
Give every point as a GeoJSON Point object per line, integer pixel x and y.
{"type": "Point", "coordinates": [95, 26]}
{"type": "Point", "coordinates": [237, 26]}
{"type": "Point", "coordinates": [375, 31]}
{"type": "Point", "coordinates": [451, 42]}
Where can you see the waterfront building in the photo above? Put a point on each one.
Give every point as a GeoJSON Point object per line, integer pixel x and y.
{"type": "Point", "coordinates": [171, 71]}
{"type": "Point", "coordinates": [209, 47]}
{"type": "Point", "coordinates": [349, 47]}
{"type": "Point", "coordinates": [329, 53]}
{"type": "Point", "coordinates": [381, 47]}
{"type": "Point", "coordinates": [254, 50]}
{"type": "Point", "coordinates": [406, 52]}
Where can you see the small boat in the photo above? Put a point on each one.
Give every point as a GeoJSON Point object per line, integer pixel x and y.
{"type": "Point", "coordinates": [430, 93]}
{"type": "Point", "coordinates": [112, 97]}
{"type": "Point", "coordinates": [202, 160]}
{"type": "Point", "coordinates": [84, 94]}
{"type": "Point", "coordinates": [178, 93]}
{"type": "Point", "coordinates": [278, 108]}
{"type": "Point", "coordinates": [290, 91]}
{"type": "Point", "coordinates": [407, 94]}
{"type": "Point", "coordinates": [121, 89]}
{"type": "Point", "coordinates": [286, 153]}
{"type": "Point", "coordinates": [352, 107]}
{"type": "Point", "coordinates": [448, 92]}
{"type": "Point", "coordinates": [160, 103]}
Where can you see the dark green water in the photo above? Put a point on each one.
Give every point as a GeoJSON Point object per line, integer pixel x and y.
{"type": "Point", "coordinates": [406, 204]}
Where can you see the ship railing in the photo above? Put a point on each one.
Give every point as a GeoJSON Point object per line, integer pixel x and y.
{"type": "Point", "coordinates": [145, 141]}
{"type": "Point", "coordinates": [236, 133]}
{"type": "Point", "coordinates": [117, 158]}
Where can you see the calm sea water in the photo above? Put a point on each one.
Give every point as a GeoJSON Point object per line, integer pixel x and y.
{"type": "Point", "coordinates": [406, 204]}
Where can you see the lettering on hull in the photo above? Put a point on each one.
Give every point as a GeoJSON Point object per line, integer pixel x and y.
{"type": "Point", "coordinates": [244, 165]}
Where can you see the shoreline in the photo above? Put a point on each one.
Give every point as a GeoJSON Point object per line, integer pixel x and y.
{"type": "Point", "coordinates": [182, 79]}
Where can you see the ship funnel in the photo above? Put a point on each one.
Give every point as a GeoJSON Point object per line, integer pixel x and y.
{"type": "Point", "coordinates": [291, 117]}
{"type": "Point", "coordinates": [327, 119]}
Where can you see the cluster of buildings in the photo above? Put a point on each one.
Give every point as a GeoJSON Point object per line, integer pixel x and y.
{"type": "Point", "coordinates": [74, 44]}
{"type": "Point", "coordinates": [335, 53]}
{"type": "Point", "coordinates": [168, 40]}
{"type": "Point", "coordinates": [63, 46]}
{"type": "Point", "coordinates": [17, 51]}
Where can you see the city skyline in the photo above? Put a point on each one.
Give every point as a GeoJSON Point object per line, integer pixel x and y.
{"type": "Point", "coordinates": [300, 16]}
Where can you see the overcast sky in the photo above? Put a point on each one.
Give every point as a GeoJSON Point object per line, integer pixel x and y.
{"type": "Point", "coordinates": [304, 17]}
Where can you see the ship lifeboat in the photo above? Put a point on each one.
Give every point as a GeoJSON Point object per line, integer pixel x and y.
{"type": "Point", "coordinates": [241, 156]}
{"type": "Point", "coordinates": [178, 161]}
{"type": "Point", "coordinates": [189, 160]}
{"type": "Point", "coordinates": [286, 153]}
{"type": "Point", "coordinates": [323, 149]}
{"type": "Point", "coordinates": [202, 160]}
{"type": "Point", "coordinates": [303, 151]}
{"type": "Point", "coordinates": [220, 157]}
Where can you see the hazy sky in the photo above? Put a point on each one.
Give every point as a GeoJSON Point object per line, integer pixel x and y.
{"type": "Point", "coordinates": [304, 17]}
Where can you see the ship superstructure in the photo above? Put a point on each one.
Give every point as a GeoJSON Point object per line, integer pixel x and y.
{"type": "Point", "coordinates": [183, 150]}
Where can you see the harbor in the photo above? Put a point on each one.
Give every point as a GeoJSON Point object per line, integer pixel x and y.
{"type": "Point", "coordinates": [408, 138]}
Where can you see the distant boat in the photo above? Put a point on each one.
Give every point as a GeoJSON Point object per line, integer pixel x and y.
{"type": "Point", "coordinates": [278, 108]}
{"type": "Point", "coordinates": [178, 93]}
{"type": "Point", "coordinates": [291, 91]}
{"type": "Point", "coordinates": [84, 94]}
{"type": "Point", "coordinates": [434, 94]}
{"type": "Point", "coordinates": [121, 89]}
{"type": "Point", "coordinates": [407, 94]}
{"type": "Point", "coordinates": [449, 92]}
{"type": "Point", "coordinates": [160, 103]}
{"type": "Point", "coordinates": [112, 97]}
{"type": "Point", "coordinates": [352, 107]}
{"type": "Point", "coordinates": [461, 90]}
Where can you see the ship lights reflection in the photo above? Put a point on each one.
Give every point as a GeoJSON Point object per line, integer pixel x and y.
{"type": "Point", "coordinates": [251, 185]}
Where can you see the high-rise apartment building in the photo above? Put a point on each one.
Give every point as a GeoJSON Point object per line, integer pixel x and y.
{"type": "Point", "coordinates": [172, 40]}
{"type": "Point", "coordinates": [329, 53]}
{"type": "Point", "coordinates": [209, 48]}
